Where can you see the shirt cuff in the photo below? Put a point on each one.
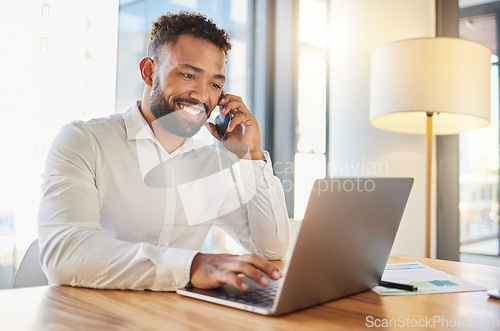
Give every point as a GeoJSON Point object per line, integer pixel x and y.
{"type": "Point", "coordinates": [174, 269]}
{"type": "Point", "coordinates": [255, 172]}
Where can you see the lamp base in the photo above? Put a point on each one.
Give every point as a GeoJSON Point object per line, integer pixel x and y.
{"type": "Point", "coordinates": [429, 187]}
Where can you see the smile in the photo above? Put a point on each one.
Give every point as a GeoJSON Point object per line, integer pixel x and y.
{"type": "Point", "coordinates": [192, 110]}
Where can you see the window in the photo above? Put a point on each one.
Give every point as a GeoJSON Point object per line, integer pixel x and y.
{"type": "Point", "coordinates": [479, 150]}
{"type": "Point", "coordinates": [45, 10]}
{"type": "Point", "coordinates": [310, 159]}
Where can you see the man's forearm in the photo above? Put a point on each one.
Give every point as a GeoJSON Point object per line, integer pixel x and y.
{"type": "Point", "coordinates": [87, 258]}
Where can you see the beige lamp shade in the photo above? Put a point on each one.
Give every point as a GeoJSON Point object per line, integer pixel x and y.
{"type": "Point", "coordinates": [447, 77]}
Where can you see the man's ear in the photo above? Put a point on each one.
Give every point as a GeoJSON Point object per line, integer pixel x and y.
{"type": "Point", "coordinates": [147, 69]}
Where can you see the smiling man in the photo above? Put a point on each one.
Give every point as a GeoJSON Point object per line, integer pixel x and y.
{"type": "Point", "coordinates": [128, 200]}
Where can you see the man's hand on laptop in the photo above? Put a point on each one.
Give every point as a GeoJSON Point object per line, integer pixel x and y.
{"type": "Point", "coordinates": [214, 270]}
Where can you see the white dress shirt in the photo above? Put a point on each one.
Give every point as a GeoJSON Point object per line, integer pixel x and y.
{"type": "Point", "coordinates": [118, 211]}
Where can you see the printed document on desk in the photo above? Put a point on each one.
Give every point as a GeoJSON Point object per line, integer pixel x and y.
{"type": "Point", "coordinates": [427, 279]}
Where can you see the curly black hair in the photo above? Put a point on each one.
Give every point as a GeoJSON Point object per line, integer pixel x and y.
{"type": "Point", "coordinates": [167, 28]}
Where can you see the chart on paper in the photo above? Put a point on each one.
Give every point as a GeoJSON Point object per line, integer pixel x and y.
{"type": "Point", "coordinates": [427, 279]}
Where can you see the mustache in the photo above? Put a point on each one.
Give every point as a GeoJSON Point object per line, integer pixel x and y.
{"type": "Point", "coordinates": [192, 101]}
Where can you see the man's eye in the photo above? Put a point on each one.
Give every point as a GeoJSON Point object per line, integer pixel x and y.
{"type": "Point", "coordinates": [188, 76]}
{"type": "Point", "coordinates": [217, 86]}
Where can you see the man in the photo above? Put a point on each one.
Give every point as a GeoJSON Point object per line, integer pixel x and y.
{"type": "Point", "coordinates": [128, 200]}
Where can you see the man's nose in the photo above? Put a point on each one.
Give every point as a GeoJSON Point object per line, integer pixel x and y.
{"type": "Point", "coordinates": [200, 92]}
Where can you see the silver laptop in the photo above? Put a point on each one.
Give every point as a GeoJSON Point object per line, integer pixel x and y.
{"type": "Point", "coordinates": [342, 247]}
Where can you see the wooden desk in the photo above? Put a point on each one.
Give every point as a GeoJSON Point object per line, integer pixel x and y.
{"type": "Point", "coordinates": [68, 308]}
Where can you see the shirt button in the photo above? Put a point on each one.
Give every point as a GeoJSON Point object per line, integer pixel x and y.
{"type": "Point", "coordinates": [170, 203]}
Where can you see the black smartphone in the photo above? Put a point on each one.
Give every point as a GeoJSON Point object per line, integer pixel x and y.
{"type": "Point", "coordinates": [222, 121]}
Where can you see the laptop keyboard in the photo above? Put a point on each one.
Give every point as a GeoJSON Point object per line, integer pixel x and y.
{"type": "Point", "coordinates": [262, 296]}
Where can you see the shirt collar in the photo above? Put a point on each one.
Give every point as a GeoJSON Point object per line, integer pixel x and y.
{"type": "Point", "coordinates": [137, 128]}
{"type": "Point", "coordinates": [135, 124]}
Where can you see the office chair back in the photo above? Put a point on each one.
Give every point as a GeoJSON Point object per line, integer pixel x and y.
{"type": "Point", "coordinates": [30, 272]}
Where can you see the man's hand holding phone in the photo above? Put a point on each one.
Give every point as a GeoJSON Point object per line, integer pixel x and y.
{"type": "Point", "coordinates": [222, 121]}
{"type": "Point", "coordinates": [243, 133]}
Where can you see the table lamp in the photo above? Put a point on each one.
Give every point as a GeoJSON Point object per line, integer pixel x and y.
{"type": "Point", "coordinates": [432, 86]}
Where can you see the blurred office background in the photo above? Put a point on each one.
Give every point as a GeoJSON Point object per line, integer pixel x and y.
{"type": "Point", "coordinates": [302, 68]}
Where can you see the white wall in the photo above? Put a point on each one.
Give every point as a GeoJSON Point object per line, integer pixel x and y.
{"type": "Point", "coordinates": [356, 148]}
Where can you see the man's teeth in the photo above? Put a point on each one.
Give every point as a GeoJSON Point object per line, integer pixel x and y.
{"type": "Point", "coordinates": [191, 110]}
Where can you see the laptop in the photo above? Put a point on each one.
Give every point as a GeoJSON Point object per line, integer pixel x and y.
{"type": "Point", "coordinates": [342, 248]}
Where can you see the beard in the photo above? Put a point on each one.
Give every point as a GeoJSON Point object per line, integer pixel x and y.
{"type": "Point", "coordinates": [170, 120]}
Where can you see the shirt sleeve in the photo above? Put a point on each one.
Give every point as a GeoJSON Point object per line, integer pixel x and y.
{"type": "Point", "coordinates": [74, 248]}
{"type": "Point", "coordinates": [261, 226]}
